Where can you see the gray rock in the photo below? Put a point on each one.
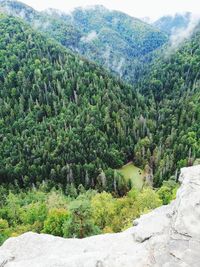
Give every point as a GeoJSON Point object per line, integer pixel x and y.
{"type": "Point", "coordinates": [168, 237]}
{"type": "Point", "coordinates": [5, 257]}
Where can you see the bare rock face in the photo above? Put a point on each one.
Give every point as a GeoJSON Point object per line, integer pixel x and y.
{"type": "Point", "coordinates": [168, 236]}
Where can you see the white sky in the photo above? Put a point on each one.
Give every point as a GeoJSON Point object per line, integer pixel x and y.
{"type": "Point", "coordinates": [136, 8]}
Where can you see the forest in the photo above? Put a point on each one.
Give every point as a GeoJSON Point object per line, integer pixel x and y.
{"type": "Point", "coordinates": [63, 119]}
{"type": "Point", "coordinates": [116, 41]}
{"type": "Point", "coordinates": [67, 126]}
{"type": "Point", "coordinates": [76, 212]}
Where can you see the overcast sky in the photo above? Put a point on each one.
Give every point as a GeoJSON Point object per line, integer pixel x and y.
{"type": "Point", "coordinates": [136, 8]}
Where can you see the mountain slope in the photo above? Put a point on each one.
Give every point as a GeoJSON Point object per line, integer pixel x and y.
{"type": "Point", "coordinates": [138, 38]}
{"type": "Point", "coordinates": [114, 39]}
{"type": "Point", "coordinates": [63, 119]}
{"type": "Point", "coordinates": [110, 38]}
{"type": "Point", "coordinates": [66, 120]}
{"type": "Point", "coordinates": [52, 26]}
{"type": "Point", "coordinates": [172, 89]}
{"type": "Point", "coordinates": [173, 24]}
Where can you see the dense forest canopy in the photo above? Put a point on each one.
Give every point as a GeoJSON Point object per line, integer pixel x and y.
{"type": "Point", "coordinates": [118, 42]}
{"type": "Point", "coordinates": [76, 212]}
{"type": "Point", "coordinates": [63, 119]}
{"type": "Point", "coordinates": [67, 121]}
{"type": "Point", "coordinates": [71, 132]}
{"type": "Point", "coordinates": [172, 87]}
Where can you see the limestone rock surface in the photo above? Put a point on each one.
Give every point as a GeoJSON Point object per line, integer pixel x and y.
{"type": "Point", "coordinates": [168, 236]}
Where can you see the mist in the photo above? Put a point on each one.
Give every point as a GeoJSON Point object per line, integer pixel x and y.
{"type": "Point", "coordinates": [180, 35]}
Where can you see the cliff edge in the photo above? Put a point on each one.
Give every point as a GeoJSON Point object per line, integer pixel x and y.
{"type": "Point", "coordinates": [168, 236]}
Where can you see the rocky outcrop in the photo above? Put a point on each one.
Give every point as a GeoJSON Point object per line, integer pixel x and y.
{"type": "Point", "coordinates": [168, 236]}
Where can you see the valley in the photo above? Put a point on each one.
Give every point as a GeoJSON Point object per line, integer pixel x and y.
{"type": "Point", "coordinates": [99, 111]}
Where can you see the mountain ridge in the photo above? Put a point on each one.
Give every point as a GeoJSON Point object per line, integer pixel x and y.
{"type": "Point", "coordinates": [118, 39]}
{"type": "Point", "coordinates": [172, 24]}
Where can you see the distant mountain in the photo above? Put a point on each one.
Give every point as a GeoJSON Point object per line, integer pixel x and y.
{"type": "Point", "coordinates": [111, 38]}
{"type": "Point", "coordinates": [53, 26]}
{"type": "Point", "coordinates": [171, 24]}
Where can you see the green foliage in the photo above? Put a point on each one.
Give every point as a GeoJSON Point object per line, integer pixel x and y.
{"type": "Point", "coordinates": [171, 88]}
{"type": "Point", "coordinates": [54, 222]}
{"type": "Point", "coordinates": [148, 200]}
{"type": "Point", "coordinates": [62, 118]}
{"type": "Point", "coordinates": [115, 40]}
{"type": "Point", "coordinates": [167, 192]}
{"type": "Point", "coordinates": [66, 124]}
{"type": "Point", "coordinates": [88, 214]}
{"type": "Point", "coordinates": [34, 212]}
{"type": "Point", "coordinates": [80, 223]}
{"type": "Point", "coordinates": [118, 42]}
{"type": "Point", "coordinates": [103, 206]}
{"type": "Point", "coordinates": [4, 230]}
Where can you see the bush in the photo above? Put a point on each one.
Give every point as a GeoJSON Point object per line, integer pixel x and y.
{"type": "Point", "coordinates": [55, 222]}
{"type": "Point", "coordinates": [4, 231]}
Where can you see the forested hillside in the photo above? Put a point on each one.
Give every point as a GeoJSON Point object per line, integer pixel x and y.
{"type": "Point", "coordinates": [52, 26]}
{"type": "Point", "coordinates": [116, 41]}
{"type": "Point", "coordinates": [68, 127]}
{"type": "Point", "coordinates": [172, 89]}
{"type": "Point", "coordinates": [85, 120]}
{"type": "Point", "coordinates": [172, 24]}
{"type": "Point", "coordinates": [63, 119]}
{"type": "Point", "coordinates": [67, 121]}
{"type": "Point", "coordinates": [65, 126]}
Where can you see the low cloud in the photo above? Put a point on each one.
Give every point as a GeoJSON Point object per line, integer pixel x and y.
{"type": "Point", "coordinates": [90, 37]}
{"type": "Point", "coordinates": [178, 36]}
